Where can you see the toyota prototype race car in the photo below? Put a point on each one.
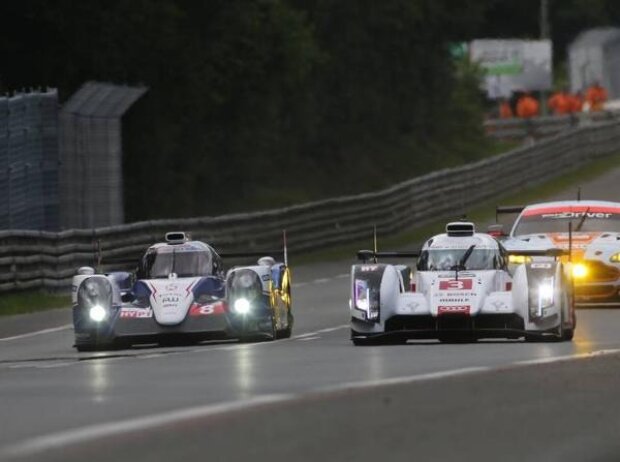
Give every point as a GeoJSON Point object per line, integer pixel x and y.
{"type": "Point", "coordinates": [182, 294]}
{"type": "Point", "coordinates": [461, 290]}
{"type": "Point", "coordinates": [594, 237]}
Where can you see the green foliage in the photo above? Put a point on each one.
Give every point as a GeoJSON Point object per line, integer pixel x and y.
{"type": "Point", "coordinates": [261, 103]}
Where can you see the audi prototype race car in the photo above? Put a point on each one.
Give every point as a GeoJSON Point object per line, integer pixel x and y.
{"type": "Point", "coordinates": [594, 238]}
{"type": "Point", "coordinates": [182, 294]}
{"type": "Point", "coordinates": [462, 289]}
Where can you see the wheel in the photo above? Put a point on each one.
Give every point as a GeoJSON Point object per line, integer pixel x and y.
{"type": "Point", "coordinates": [568, 335]}
{"type": "Point", "coordinates": [364, 341]}
{"type": "Point", "coordinates": [87, 347]}
{"type": "Point", "coordinates": [288, 330]}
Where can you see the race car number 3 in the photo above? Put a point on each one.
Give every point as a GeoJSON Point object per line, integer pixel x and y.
{"type": "Point", "coordinates": [456, 284]}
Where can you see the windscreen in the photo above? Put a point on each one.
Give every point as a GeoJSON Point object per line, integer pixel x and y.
{"type": "Point", "coordinates": [449, 259]}
{"type": "Point", "coordinates": [182, 262]}
{"type": "Point", "coordinates": [556, 221]}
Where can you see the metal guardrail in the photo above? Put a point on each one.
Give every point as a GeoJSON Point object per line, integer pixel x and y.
{"type": "Point", "coordinates": [32, 259]}
{"type": "Point", "coordinates": [546, 126]}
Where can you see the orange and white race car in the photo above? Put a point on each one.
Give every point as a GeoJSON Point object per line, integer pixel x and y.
{"type": "Point", "coordinates": [594, 241]}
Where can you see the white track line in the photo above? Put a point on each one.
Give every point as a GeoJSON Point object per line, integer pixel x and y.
{"type": "Point", "coordinates": [94, 432]}
{"type": "Point", "coordinates": [81, 435]}
{"type": "Point", "coordinates": [38, 332]}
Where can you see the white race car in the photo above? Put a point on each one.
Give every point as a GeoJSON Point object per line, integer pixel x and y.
{"type": "Point", "coordinates": [182, 295]}
{"type": "Point", "coordinates": [594, 240]}
{"type": "Point", "coordinates": [462, 290]}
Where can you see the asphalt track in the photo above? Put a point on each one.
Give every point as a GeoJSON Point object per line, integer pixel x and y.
{"type": "Point", "coordinates": [314, 396]}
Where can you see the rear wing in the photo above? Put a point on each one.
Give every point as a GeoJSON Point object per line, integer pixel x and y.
{"type": "Point", "coordinates": [367, 255]}
{"type": "Point", "coordinates": [258, 253]}
{"type": "Point", "coordinates": [507, 209]}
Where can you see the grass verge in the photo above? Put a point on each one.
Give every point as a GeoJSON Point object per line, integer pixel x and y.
{"type": "Point", "coordinates": [30, 302]}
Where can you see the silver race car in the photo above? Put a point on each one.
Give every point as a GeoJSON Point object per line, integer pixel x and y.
{"type": "Point", "coordinates": [461, 290]}
{"type": "Point", "coordinates": [594, 239]}
{"type": "Point", "coordinates": [182, 294]}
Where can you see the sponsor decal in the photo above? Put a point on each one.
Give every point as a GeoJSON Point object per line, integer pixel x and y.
{"type": "Point", "coordinates": [131, 312]}
{"type": "Point", "coordinates": [266, 277]}
{"type": "Point", "coordinates": [456, 284]}
{"type": "Point", "coordinates": [541, 265]}
{"type": "Point", "coordinates": [574, 212]}
{"type": "Point", "coordinates": [206, 310]}
{"type": "Point", "coordinates": [453, 309]}
{"type": "Point", "coordinates": [171, 288]}
{"type": "Point", "coordinates": [367, 268]}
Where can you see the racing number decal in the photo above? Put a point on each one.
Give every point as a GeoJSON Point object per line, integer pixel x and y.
{"type": "Point", "coordinates": [456, 284]}
{"type": "Point", "coordinates": [206, 310]}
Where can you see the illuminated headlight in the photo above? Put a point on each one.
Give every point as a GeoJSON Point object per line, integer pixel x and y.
{"type": "Point", "coordinates": [519, 259]}
{"type": "Point", "coordinates": [580, 271]}
{"type": "Point", "coordinates": [242, 306]}
{"type": "Point", "coordinates": [545, 294]}
{"type": "Point", "coordinates": [365, 300]}
{"type": "Point", "coordinates": [615, 258]}
{"type": "Point", "coordinates": [98, 313]}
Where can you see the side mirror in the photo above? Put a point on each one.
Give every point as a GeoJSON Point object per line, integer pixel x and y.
{"type": "Point", "coordinates": [497, 231]}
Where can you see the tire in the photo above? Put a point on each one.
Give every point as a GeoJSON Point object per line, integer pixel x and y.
{"type": "Point", "coordinates": [87, 347]}
{"type": "Point", "coordinates": [266, 336]}
{"type": "Point", "coordinates": [288, 330]}
{"type": "Point", "coordinates": [359, 341]}
{"type": "Point", "coordinates": [568, 335]}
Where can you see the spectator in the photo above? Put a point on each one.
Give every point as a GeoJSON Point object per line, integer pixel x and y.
{"type": "Point", "coordinates": [576, 102]}
{"type": "Point", "coordinates": [505, 111]}
{"type": "Point", "coordinates": [595, 97]}
{"type": "Point", "coordinates": [560, 102]}
{"type": "Point", "coordinates": [575, 105]}
{"type": "Point", "coordinates": [527, 106]}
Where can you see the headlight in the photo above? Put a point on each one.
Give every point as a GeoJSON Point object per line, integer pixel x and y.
{"type": "Point", "coordinates": [580, 271]}
{"type": "Point", "coordinates": [518, 259]}
{"type": "Point", "coordinates": [366, 300]}
{"type": "Point", "coordinates": [545, 294]}
{"type": "Point", "coordinates": [242, 306]}
{"type": "Point", "coordinates": [98, 313]}
{"type": "Point", "coordinates": [615, 258]}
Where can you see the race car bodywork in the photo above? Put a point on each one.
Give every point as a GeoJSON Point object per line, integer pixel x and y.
{"type": "Point", "coordinates": [594, 241]}
{"type": "Point", "coordinates": [462, 290]}
{"type": "Point", "coordinates": [181, 294]}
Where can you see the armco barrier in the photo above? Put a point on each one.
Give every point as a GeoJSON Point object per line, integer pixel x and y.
{"type": "Point", "coordinates": [31, 259]}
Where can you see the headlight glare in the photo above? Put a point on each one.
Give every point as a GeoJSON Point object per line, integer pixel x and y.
{"type": "Point", "coordinates": [98, 313]}
{"type": "Point", "coordinates": [545, 294]}
{"type": "Point", "coordinates": [519, 259]}
{"type": "Point", "coordinates": [366, 300]}
{"type": "Point", "coordinates": [615, 258]}
{"type": "Point", "coordinates": [580, 271]}
{"type": "Point", "coordinates": [242, 306]}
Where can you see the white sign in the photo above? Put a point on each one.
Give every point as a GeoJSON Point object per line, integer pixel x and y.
{"type": "Point", "coordinates": [512, 65]}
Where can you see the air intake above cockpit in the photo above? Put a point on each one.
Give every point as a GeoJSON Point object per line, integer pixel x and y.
{"type": "Point", "coordinates": [177, 237]}
{"type": "Point", "coordinates": [460, 228]}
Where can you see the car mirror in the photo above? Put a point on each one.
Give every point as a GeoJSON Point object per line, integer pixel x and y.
{"type": "Point", "coordinates": [496, 230]}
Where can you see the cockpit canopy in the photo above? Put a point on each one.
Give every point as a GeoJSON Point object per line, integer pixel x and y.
{"type": "Point", "coordinates": [183, 260]}
{"type": "Point", "coordinates": [446, 259]}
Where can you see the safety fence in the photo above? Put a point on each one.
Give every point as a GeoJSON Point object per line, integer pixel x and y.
{"type": "Point", "coordinates": [544, 126]}
{"type": "Point", "coordinates": [30, 259]}
{"type": "Point", "coordinates": [29, 162]}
